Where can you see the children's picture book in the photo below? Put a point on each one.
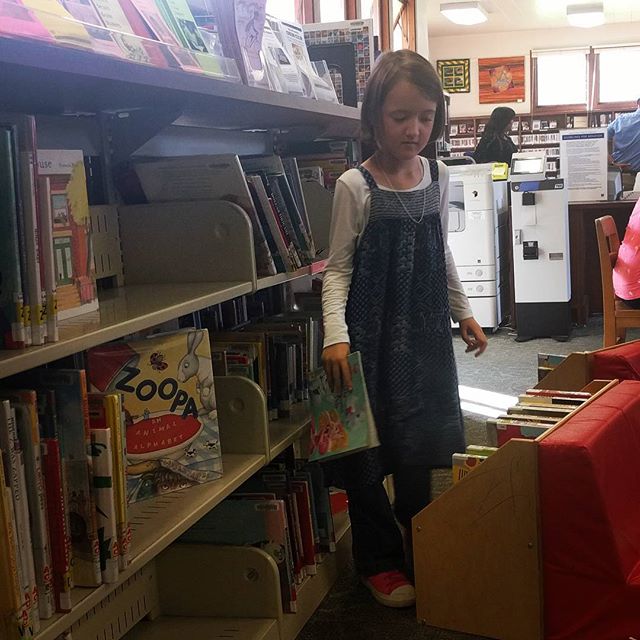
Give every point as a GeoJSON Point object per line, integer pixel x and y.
{"type": "Point", "coordinates": [172, 433]}
{"type": "Point", "coordinates": [75, 274]}
{"type": "Point", "coordinates": [340, 423]}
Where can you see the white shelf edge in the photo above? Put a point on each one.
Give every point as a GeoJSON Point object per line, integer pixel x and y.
{"type": "Point", "coordinates": [159, 303]}
{"type": "Point", "coordinates": [171, 627]}
{"type": "Point", "coordinates": [280, 278]}
{"type": "Point", "coordinates": [240, 468]}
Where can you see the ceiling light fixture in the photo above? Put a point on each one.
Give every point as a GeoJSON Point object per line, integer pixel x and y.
{"type": "Point", "coordinates": [466, 13]}
{"type": "Point", "coordinates": [585, 15]}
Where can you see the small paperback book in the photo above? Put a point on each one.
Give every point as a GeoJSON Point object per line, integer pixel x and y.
{"type": "Point", "coordinates": [341, 423]}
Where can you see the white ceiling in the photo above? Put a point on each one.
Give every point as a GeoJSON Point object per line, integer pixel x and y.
{"type": "Point", "coordinates": [517, 15]}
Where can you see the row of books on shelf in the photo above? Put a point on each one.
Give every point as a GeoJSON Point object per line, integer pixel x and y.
{"type": "Point", "coordinates": [285, 510]}
{"type": "Point", "coordinates": [46, 263]}
{"type": "Point", "coordinates": [540, 138]}
{"type": "Point", "coordinates": [139, 419]}
{"type": "Point", "coordinates": [536, 411]}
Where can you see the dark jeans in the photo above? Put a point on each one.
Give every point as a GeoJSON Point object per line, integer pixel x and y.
{"type": "Point", "coordinates": [378, 543]}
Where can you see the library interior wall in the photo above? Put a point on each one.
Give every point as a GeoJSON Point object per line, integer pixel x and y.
{"type": "Point", "coordinates": [514, 43]}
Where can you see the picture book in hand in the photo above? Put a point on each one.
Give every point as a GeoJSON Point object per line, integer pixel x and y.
{"type": "Point", "coordinates": [341, 423]}
{"type": "Point", "coordinates": [172, 434]}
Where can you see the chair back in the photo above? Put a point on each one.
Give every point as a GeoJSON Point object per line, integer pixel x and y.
{"type": "Point", "coordinates": [608, 245]}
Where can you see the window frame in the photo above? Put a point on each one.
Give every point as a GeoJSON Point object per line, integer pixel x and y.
{"type": "Point", "coordinates": [593, 103]}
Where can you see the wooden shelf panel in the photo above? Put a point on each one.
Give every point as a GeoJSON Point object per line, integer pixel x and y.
{"type": "Point", "coordinates": [45, 78]}
{"type": "Point", "coordinates": [156, 524]}
{"type": "Point", "coordinates": [286, 431]}
{"type": "Point", "coordinates": [172, 627]}
{"type": "Point", "coordinates": [123, 311]}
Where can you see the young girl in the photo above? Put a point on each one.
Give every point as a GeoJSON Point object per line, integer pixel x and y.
{"type": "Point", "coordinates": [389, 291]}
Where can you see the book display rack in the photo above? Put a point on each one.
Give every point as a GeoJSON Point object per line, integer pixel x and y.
{"type": "Point", "coordinates": [111, 107]}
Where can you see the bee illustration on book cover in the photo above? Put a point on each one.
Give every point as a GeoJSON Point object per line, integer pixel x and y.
{"type": "Point", "coordinates": [172, 434]}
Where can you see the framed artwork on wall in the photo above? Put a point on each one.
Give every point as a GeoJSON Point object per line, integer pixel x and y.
{"type": "Point", "coordinates": [454, 75]}
{"type": "Point", "coordinates": [501, 79]}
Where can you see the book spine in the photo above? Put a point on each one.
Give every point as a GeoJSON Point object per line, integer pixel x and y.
{"type": "Point", "coordinates": [105, 502]}
{"type": "Point", "coordinates": [45, 222]}
{"type": "Point", "coordinates": [21, 510]}
{"type": "Point", "coordinates": [10, 597]}
{"type": "Point", "coordinates": [37, 295]}
{"type": "Point", "coordinates": [285, 220]}
{"type": "Point", "coordinates": [120, 473]}
{"type": "Point", "coordinates": [30, 440]}
{"type": "Point", "coordinates": [58, 531]}
{"type": "Point", "coordinates": [12, 310]}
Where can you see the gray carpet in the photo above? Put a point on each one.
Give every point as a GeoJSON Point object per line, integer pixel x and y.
{"type": "Point", "coordinates": [349, 612]}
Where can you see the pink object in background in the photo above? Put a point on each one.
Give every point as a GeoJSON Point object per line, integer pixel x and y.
{"type": "Point", "coordinates": [626, 272]}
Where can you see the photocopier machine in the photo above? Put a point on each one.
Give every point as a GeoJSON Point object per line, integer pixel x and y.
{"type": "Point", "coordinates": [478, 236]}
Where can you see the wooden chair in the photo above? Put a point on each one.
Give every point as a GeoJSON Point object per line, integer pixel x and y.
{"type": "Point", "coordinates": [618, 317]}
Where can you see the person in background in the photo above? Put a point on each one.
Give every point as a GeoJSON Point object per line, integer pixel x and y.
{"type": "Point", "coordinates": [390, 290]}
{"type": "Point", "coordinates": [624, 143]}
{"type": "Point", "coordinates": [626, 271]}
{"type": "Point", "coordinates": [495, 144]}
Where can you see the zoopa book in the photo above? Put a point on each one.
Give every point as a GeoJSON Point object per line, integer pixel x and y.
{"type": "Point", "coordinates": [172, 433]}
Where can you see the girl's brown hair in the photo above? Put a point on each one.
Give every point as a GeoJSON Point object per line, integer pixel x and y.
{"type": "Point", "coordinates": [391, 68]}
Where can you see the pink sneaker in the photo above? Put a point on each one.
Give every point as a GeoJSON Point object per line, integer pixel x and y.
{"type": "Point", "coordinates": [392, 589]}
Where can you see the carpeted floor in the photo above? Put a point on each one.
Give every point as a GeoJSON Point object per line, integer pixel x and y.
{"type": "Point", "coordinates": [509, 367]}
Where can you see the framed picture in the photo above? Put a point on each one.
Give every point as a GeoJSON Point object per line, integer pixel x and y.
{"type": "Point", "coordinates": [454, 75]}
{"type": "Point", "coordinates": [501, 79]}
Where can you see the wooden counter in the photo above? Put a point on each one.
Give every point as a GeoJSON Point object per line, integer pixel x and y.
{"type": "Point", "coordinates": [586, 290]}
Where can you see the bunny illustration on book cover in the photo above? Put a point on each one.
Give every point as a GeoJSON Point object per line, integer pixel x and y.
{"type": "Point", "coordinates": [172, 433]}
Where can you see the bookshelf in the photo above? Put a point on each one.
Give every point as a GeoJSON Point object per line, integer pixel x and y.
{"type": "Point", "coordinates": [111, 108]}
{"type": "Point", "coordinates": [529, 131]}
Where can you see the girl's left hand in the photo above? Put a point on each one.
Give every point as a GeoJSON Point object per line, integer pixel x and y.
{"type": "Point", "coordinates": [471, 332]}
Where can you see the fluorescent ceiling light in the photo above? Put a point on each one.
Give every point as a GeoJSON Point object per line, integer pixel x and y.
{"type": "Point", "coordinates": [463, 12]}
{"type": "Point", "coordinates": [585, 15]}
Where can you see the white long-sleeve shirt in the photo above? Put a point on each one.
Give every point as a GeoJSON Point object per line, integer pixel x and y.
{"type": "Point", "coordinates": [348, 220]}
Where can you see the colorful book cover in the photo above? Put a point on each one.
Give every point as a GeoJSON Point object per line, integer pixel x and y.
{"type": "Point", "coordinates": [18, 20]}
{"type": "Point", "coordinates": [12, 331]}
{"type": "Point", "coordinates": [103, 487]}
{"type": "Point", "coordinates": [341, 423]}
{"type": "Point", "coordinates": [120, 19]}
{"type": "Point", "coordinates": [172, 432]}
{"type": "Point", "coordinates": [57, 20]}
{"type": "Point", "coordinates": [76, 287]}
{"type": "Point", "coordinates": [101, 37]}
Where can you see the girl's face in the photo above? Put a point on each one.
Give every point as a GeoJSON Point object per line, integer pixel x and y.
{"type": "Point", "coordinates": [407, 121]}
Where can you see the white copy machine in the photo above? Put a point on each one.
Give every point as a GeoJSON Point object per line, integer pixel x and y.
{"type": "Point", "coordinates": [478, 233]}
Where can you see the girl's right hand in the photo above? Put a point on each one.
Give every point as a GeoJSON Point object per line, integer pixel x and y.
{"type": "Point", "coordinates": [336, 365]}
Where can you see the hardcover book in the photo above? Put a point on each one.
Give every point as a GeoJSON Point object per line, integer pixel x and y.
{"type": "Point", "coordinates": [341, 423]}
{"type": "Point", "coordinates": [76, 287]}
{"type": "Point", "coordinates": [172, 433]}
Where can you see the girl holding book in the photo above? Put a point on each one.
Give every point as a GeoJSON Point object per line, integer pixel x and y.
{"type": "Point", "coordinates": [390, 289]}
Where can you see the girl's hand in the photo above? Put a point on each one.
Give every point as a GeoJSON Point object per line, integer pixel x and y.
{"type": "Point", "coordinates": [336, 365]}
{"type": "Point", "coordinates": [471, 332]}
